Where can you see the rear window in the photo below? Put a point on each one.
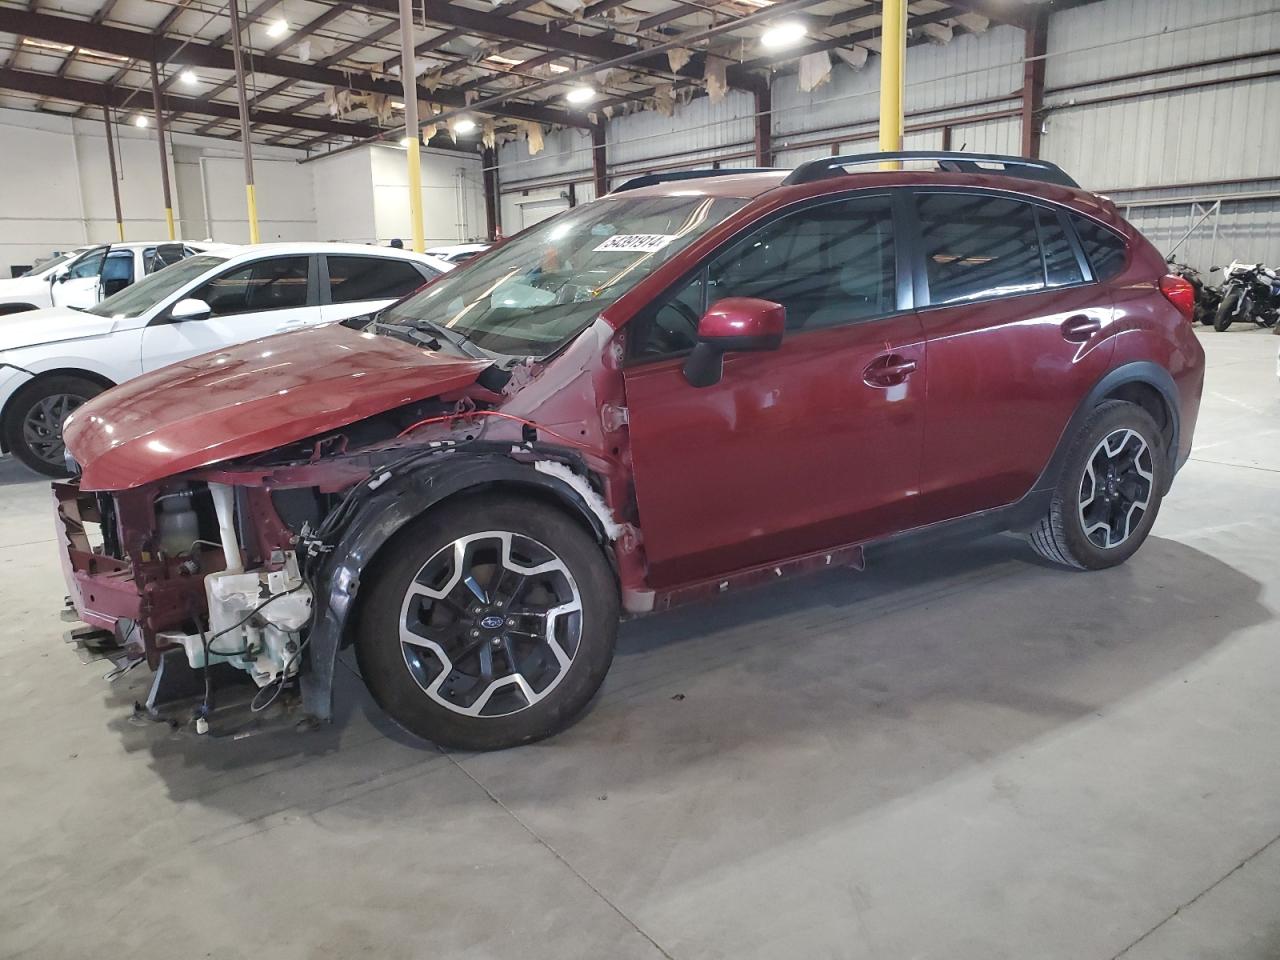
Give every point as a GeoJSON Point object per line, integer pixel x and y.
{"type": "Point", "coordinates": [1105, 250]}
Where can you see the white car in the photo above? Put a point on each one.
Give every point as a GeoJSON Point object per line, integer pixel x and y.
{"type": "Point", "coordinates": [86, 275]}
{"type": "Point", "coordinates": [55, 359]}
{"type": "Point", "coordinates": [458, 251]}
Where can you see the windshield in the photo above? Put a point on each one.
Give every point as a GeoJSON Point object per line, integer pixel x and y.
{"type": "Point", "coordinates": [48, 264]}
{"type": "Point", "coordinates": [135, 300]}
{"type": "Point", "coordinates": [531, 296]}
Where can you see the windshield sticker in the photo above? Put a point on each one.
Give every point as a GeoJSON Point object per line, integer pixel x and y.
{"type": "Point", "coordinates": [635, 243]}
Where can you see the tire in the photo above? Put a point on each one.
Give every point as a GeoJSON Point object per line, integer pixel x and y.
{"type": "Point", "coordinates": [1226, 310]}
{"type": "Point", "coordinates": [1069, 535]}
{"type": "Point", "coordinates": [42, 401]}
{"type": "Point", "coordinates": [410, 681]}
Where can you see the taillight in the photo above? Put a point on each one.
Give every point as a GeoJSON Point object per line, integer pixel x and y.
{"type": "Point", "coordinates": [1179, 291]}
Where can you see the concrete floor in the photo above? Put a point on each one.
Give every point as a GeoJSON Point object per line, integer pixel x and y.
{"type": "Point", "coordinates": [956, 755]}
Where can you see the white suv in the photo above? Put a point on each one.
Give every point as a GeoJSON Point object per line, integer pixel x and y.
{"type": "Point", "coordinates": [55, 359]}
{"type": "Point", "coordinates": [86, 275]}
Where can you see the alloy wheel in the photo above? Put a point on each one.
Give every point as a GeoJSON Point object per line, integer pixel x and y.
{"type": "Point", "coordinates": [42, 426]}
{"type": "Point", "coordinates": [1116, 488]}
{"type": "Point", "coordinates": [490, 624]}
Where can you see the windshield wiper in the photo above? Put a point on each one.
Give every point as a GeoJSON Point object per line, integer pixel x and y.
{"type": "Point", "coordinates": [459, 340]}
{"type": "Point", "coordinates": [409, 333]}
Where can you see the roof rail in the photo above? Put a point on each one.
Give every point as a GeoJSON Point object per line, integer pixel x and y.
{"type": "Point", "coordinates": [1021, 167]}
{"type": "Point", "coordinates": [649, 179]}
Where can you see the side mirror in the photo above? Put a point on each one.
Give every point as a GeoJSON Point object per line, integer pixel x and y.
{"type": "Point", "coordinates": [60, 277]}
{"type": "Point", "coordinates": [190, 309]}
{"type": "Point", "coordinates": [1169, 259]}
{"type": "Point", "coordinates": [733, 324]}
{"type": "Point", "coordinates": [1214, 269]}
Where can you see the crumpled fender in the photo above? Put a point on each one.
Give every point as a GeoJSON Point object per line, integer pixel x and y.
{"type": "Point", "coordinates": [379, 517]}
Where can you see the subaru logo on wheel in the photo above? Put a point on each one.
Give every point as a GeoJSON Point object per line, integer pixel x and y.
{"type": "Point", "coordinates": [491, 623]}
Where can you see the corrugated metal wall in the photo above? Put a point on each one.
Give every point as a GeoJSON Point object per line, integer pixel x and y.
{"type": "Point", "coordinates": [1155, 138]}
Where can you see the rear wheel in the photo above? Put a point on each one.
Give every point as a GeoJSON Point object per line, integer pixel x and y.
{"type": "Point", "coordinates": [490, 623]}
{"type": "Point", "coordinates": [34, 417]}
{"type": "Point", "coordinates": [1109, 493]}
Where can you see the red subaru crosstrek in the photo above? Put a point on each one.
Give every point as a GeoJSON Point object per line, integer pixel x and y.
{"type": "Point", "coordinates": [699, 382]}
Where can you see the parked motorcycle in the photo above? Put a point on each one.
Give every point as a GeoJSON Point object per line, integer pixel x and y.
{"type": "Point", "coordinates": [1207, 297]}
{"type": "Point", "coordinates": [1250, 291]}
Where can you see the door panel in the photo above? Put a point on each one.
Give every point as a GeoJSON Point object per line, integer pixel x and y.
{"type": "Point", "coordinates": [1005, 373]}
{"type": "Point", "coordinates": [78, 287]}
{"type": "Point", "coordinates": [813, 445]}
{"type": "Point", "coordinates": [268, 296]}
{"type": "Point", "coordinates": [793, 451]}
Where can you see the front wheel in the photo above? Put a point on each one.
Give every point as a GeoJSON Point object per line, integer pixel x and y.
{"type": "Point", "coordinates": [1227, 310]}
{"type": "Point", "coordinates": [490, 623]}
{"type": "Point", "coordinates": [1109, 493]}
{"type": "Point", "coordinates": [34, 417]}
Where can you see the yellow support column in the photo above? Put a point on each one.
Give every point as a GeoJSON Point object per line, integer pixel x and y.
{"type": "Point", "coordinates": [412, 135]}
{"type": "Point", "coordinates": [168, 219]}
{"type": "Point", "coordinates": [251, 195]}
{"type": "Point", "coordinates": [893, 57]}
{"type": "Point", "coordinates": [415, 196]}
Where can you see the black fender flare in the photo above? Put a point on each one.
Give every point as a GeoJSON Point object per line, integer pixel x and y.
{"type": "Point", "coordinates": [1143, 372]}
{"type": "Point", "coordinates": [385, 512]}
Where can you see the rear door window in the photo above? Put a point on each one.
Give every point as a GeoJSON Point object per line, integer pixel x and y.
{"type": "Point", "coordinates": [1105, 250]}
{"type": "Point", "coordinates": [352, 279]}
{"type": "Point", "coordinates": [978, 246]}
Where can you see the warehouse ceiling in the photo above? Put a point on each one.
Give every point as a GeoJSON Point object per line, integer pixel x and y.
{"type": "Point", "coordinates": [323, 73]}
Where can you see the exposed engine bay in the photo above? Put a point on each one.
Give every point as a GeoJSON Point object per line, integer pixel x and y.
{"type": "Point", "coordinates": [254, 563]}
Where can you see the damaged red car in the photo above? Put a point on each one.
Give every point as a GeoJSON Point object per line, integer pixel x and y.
{"type": "Point", "coordinates": [700, 382]}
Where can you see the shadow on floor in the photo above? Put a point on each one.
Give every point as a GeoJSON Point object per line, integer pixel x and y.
{"type": "Point", "coordinates": [873, 685]}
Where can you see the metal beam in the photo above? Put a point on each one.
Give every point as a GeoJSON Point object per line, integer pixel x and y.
{"type": "Point", "coordinates": [158, 108]}
{"type": "Point", "coordinates": [115, 175]}
{"type": "Point", "coordinates": [84, 91]}
{"type": "Point", "coordinates": [527, 33]}
{"type": "Point", "coordinates": [152, 48]}
{"type": "Point", "coordinates": [246, 145]}
{"type": "Point", "coordinates": [764, 126]}
{"type": "Point", "coordinates": [599, 160]}
{"type": "Point", "coordinates": [1036, 44]}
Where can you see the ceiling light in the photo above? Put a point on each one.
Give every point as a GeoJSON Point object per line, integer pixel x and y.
{"type": "Point", "coordinates": [140, 120]}
{"type": "Point", "coordinates": [557, 68]}
{"type": "Point", "coordinates": [505, 61]}
{"type": "Point", "coordinates": [405, 141]}
{"type": "Point", "coordinates": [785, 34]}
{"type": "Point", "coordinates": [397, 105]}
{"type": "Point", "coordinates": [580, 95]}
{"type": "Point", "coordinates": [189, 78]}
{"type": "Point", "coordinates": [47, 45]}
{"type": "Point", "coordinates": [278, 28]}
{"type": "Point", "coordinates": [464, 126]}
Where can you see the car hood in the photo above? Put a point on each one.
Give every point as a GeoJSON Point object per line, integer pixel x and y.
{"type": "Point", "coordinates": [24, 290]}
{"type": "Point", "coordinates": [34, 328]}
{"type": "Point", "coordinates": [249, 399]}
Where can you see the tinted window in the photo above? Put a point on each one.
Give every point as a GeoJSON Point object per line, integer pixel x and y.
{"type": "Point", "coordinates": [828, 265]}
{"type": "Point", "coordinates": [373, 278]}
{"type": "Point", "coordinates": [1105, 250]}
{"type": "Point", "coordinates": [977, 247]}
{"type": "Point", "coordinates": [275, 284]}
{"type": "Point", "coordinates": [157, 258]}
{"type": "Point", "coordinates": [118, 268]}
{"type": "Point", "coordinates": [88, 265]}
{"type": "Point", "coordinates": [1060, 264]}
